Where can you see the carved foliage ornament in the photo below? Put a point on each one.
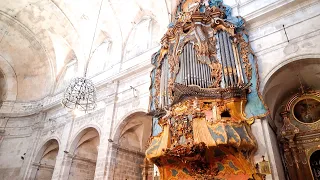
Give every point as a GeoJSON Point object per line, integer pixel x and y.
{"type": "Point", "coordinates": [201, 29]}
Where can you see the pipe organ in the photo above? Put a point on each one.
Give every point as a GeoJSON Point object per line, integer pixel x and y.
{"type": "Point", "coordinates": [198, 95]}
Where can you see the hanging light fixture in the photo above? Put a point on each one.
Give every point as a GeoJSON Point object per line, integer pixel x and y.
{"type": "Point", "coordinates": [81, 92]}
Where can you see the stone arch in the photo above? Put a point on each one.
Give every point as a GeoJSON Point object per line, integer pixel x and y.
{"type": "Point", "coordinates": [68, 72]}
{"type": "Point", "coordinates": [10, 78]}
{"type": "Point", "coordinates": [123, 121]}
{"type": "Point", "coordinates": [267, 78]}
{"type": "Point", "coordinates": [80, 133]}
{"type": "Point", "coordinates": [314, 158]}
{"type": "Point", "coordinates": [84, 152]}
{"type": "Point", "coordinates": [143, 26]}
{"type": "Point", "coordinates": [100, 56]}
{"type": "Point", "coordinates": [130, 139]}
{"type": "Point", "coordinates": [45, 159]}
{"type": "Point", "coordinates": [288, 77]}
{"type": "Point", "coordinates": [41, 49]}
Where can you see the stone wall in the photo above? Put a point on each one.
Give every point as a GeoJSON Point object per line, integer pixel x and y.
{"type": "Point", "coordinates": [27, 126]}
{"type": "Point", "coordinates": [128, 164]}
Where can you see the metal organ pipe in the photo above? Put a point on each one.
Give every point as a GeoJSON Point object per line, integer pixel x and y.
{"type": "Point", "coordinates": [192, 71]}
{"type": "Point", "coordinates": [195, 75]}
{"type": "Point", "coordinates": [189, 67]}
{"type": "Point", "coordinates": [206, 75]}
{"type": "Point", "coordinates": [239, 64]}
{"type": "Point", "coordinates": [223, 59]}
{"type": "Point", "coordinates": [185, 67]}
{"type": "Point", "coordinates": [202, 75]}
{"type": "Point", "coordinates": [192, 65]}
{"type": "Point", "coordinates": [233, 62]}
{"type": "Point", "coordinates": [177, 79]}
{"type": "Point", "coordinates": [210, 77]}
{"type": "Point", "coordinates": [166, 82]}
{"type": "Point", "coordinates": [181, 71]}
{"type": "Point", "coordinates": [196, 69]}
{"type": "Point", "coordinates": [220, 61]}
{"type": "Point", "coordinates": [226, 50]}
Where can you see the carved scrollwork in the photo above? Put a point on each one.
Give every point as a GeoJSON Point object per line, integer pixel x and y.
{"type": "Point", "coordinates": [245, 51]}
{"type": "Point", "coordinates": [216, 74]}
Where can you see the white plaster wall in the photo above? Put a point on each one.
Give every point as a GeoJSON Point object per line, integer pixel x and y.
{"type": "Point", "coordinates": [117, 101]}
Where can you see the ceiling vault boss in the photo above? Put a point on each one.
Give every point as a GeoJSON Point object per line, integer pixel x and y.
{"type": "Point", "coordinates": [204, 96]}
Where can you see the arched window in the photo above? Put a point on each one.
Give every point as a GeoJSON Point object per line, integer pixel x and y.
{"type": "Point", "coordinates": [68, 73]}
{"type": "Point", "coordinates": [100, 58]}
{"type": "Point", "coordinates": [143, 37]}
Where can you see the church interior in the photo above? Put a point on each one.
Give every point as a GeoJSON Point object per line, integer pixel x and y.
{"type": "Point", "coordinates": [160, 90]}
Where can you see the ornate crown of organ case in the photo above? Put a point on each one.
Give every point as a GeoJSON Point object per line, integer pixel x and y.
{"type": "Point", "coordinates": [204, 96]}
{"type": "Point", "coordinates": [300, 136]}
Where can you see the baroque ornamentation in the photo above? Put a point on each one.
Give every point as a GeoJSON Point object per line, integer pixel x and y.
{"type": "Point", "coordinates": [300, 133]}
{"type": "Point", "coordinates": [199, 86]}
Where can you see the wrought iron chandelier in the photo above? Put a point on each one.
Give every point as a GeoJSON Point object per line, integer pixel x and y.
{"type": "Point", "coordinates": [81, 92]}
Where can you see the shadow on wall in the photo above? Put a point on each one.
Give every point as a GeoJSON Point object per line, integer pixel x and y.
{"type": "Point", "coordinates": [84, 155]}
{"type": "Point", "coordinates": [46, 160]}
{"type": "Point", "coordinates": [2, 88]}
{"type": "Point", "coordinates": [130, 144]}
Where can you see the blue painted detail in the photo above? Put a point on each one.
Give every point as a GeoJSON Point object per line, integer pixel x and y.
{"type": "Point", "coordinates": [185, 170]}
{"type": "Point", "coordinates": [254, 106]}
{"type": "Point", "coordinates": [233, 166]}
{"type": "Point", "coordinates": [155, 145]}
{"type": "Point", "coordinates": [174, 172]}
{"type": "Point", "coordinates": [216, 136]}
{"type": "Point", "coordinates": [214, 3]}
{"type": "Point", "coordinates": [243, 134]}
{"type": "Point", "coordinates": [220, 167]}
{"type": "Point", "coordinates": [202, 8]}
{"type": "Point", "coordinates": [219, 129]}
{"type": "Point", "coordinates": [236, 20]}
{"type": "Point", "coordinates": [171, 25]}
{"type": "Point", "coordinates": [232, 133]}
{"type": "Point", "coordinates": [156, 128]}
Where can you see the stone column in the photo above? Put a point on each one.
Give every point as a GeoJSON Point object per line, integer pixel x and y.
{"type": "Point", "coordinates": [63, 159]}
{"type": "Point", "coordinates": [268, 147]}
{"type": "Point", "coordinates": [102, 159]}
{"type": "Point", "coordinates": [106, 160]}
{"type": "Point", "coordinates": [30, 169]}
{"type": "Point", "coordinates": [65, 166]}
{"type": "Point", "coordinates": [147, 170]}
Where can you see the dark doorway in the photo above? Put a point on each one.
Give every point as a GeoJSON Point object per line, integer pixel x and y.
{"type": "Point", "coordinates": [315, 164]}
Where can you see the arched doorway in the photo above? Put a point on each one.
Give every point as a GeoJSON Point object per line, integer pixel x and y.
{"type": "Point", "coordinates": [289, 93]}
{"type": "Point", "coordinates": [315, 164]}
{"type": "Point", "coordinates": [46, 160]}
{"type": "Point", "coordinates": [84, 155]}
{"type": "Point", "coordinates": [130, 144]}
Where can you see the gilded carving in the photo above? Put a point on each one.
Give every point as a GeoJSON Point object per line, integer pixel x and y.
{"type": "Point", "coordinates": [244, 53]}
{"type": "Point", "coordinates": [200, 73]}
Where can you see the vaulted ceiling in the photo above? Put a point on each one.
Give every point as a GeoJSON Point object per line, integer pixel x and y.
{"type": "Point", "coordinates": [39, 37]}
